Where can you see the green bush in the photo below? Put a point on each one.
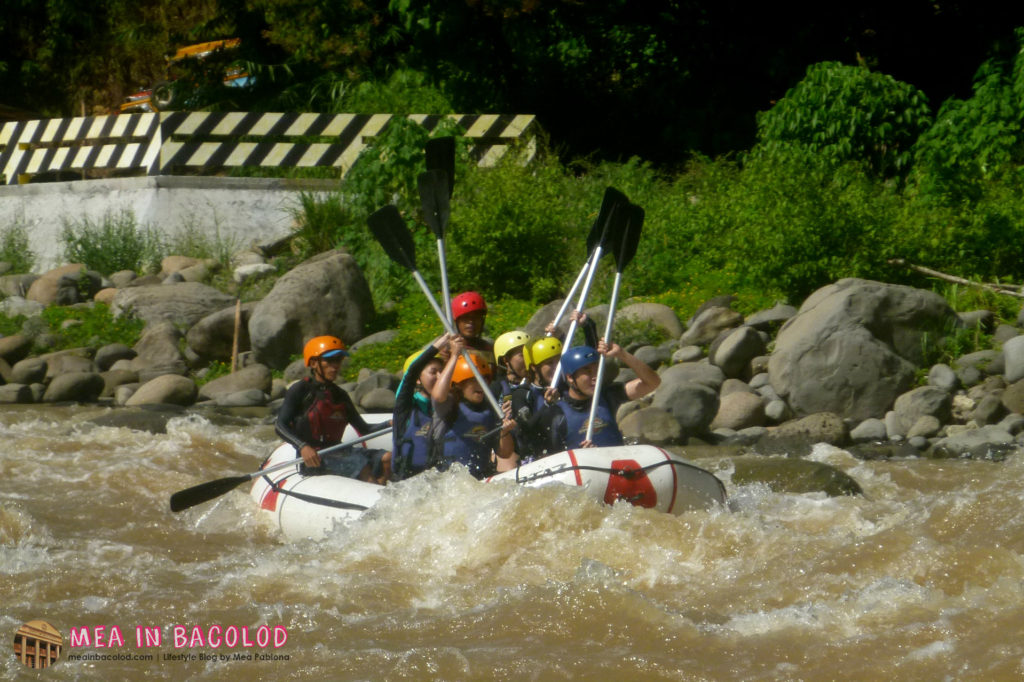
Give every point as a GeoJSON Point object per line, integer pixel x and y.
{"type": "Point", "coordinates": [14, 248]}
{"type": "Point", "coordinates": [848, 113]}
{"type": "Point", "coordinates": [95, 326]}
{"type": "Point", "coordinates": [114, 243]}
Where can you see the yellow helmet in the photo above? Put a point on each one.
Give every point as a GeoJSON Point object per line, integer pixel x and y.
{"type": "Point", "coordinates": [508, 342]}
{"type": "Point", "coordinates": [541, 350]}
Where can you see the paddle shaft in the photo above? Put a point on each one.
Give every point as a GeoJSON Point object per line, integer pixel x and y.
{"type": "Point", "coordinates": [572, 292]}
{"type": "Point", "coordinates": [601, 361]}
{"type": "Point", "coordinates": [579, 306]}
{"type": "Point", "coordinates": [445, 291]}
{"type": "Point", "coordinates": [465, 354]}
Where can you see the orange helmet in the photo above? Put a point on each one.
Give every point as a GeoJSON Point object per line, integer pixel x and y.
{"type": "Point", "coordinates": [323, 347]}
{"type": "Point", "coordinates": [463, 371]}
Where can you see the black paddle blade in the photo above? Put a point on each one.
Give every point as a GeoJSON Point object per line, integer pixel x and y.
{"type": "Point", "coordinates": [197, 494]}
{"type": "Point", "coordinates": [440, 153]}
{"type": "Point", "coordinates": [390, 230]}
{"type": "Point", "coordinates": [630, 237]}
{"type": "Point", "coordinates": [434, 194]}
{"type": "Point", "coordinates": [599, 230]}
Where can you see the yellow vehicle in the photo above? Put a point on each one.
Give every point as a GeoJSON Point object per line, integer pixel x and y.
{"type": "Point", "coordinates": [177, 90]}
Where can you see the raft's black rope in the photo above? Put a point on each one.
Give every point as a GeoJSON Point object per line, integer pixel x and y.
{"type": "Point", "coordinates": [313, 499]}
{"type": "Point", "coordinates": [625, 473]}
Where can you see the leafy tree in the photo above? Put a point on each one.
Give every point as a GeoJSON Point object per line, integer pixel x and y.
{"type": "Point", "coordinates": [847, 113]}
{"type": "Point", "coordinates": [977, 138]}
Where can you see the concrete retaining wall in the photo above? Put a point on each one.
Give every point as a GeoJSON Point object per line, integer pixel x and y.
{"type": "Point", "coordinates": [239, 212]}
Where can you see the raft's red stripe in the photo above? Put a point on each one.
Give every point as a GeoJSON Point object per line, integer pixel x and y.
{"type": "Point", "coordinates": [269, 501]}
{"type": "Point", "coordinates": [575, 467]}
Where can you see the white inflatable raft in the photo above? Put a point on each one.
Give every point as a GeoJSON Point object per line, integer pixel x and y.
{"type": "Point", "coordinates": [644, 475]}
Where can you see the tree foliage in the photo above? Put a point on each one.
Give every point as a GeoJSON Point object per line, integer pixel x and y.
{"type": "Point", "coordinates": [848, 113]}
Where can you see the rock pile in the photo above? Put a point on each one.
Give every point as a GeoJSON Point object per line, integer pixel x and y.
{"type": "Point", "coordinates": [853, 366]}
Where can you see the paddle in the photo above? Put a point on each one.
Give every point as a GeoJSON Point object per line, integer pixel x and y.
{"type": "Point", "coordinates": [390, 230]}
{"type": "Point", "coordinates": [440, 153]}
{"type": "Point", "coordinates": [435, 187]}
{"type": "Point", "coordinates": [598, 234]}
{"type": "Point", "coordinates": [197, 494]}
{"type": "Point", "coordinates": [610, 232]}
{"type": "Point", "coordinates": [434, 195]}
{"type": "Point", "coordinates": [624, 252]}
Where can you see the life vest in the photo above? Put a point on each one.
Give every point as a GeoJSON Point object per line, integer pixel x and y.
{"type": "Point", "coordinates": [325, 418]}
{"type": "Point", "coordinates": [413, 446]}
{"type": "Point", "coordinates": [464, 441]}
{"type": "Point", "coordinates": [606, 430]}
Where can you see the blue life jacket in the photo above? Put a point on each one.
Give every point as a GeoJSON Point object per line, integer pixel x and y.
{"type": "Point", "coordinates": [464, 441]}
{"type": "Point", "coordinates": [413, 446]}
{"type": "Point", "coordinates": [606, 430]}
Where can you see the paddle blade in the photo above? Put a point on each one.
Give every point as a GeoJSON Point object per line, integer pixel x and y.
{"type": "Point", "coordinates": [440, 153]}
{"type": "Point", "coordinates": [630, 237]}
{"type": "Point", "coordinates": [599, 230]}
{"type": "Point", "coordinates": [197, 494]}
{"type": "Point", "coordinates": [434, 194]}
{"type": "Point", "coordinates": [390, 230]}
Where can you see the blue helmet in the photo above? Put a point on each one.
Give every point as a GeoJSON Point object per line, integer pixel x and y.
{"type": "Point", "coordinates": [578, 357]}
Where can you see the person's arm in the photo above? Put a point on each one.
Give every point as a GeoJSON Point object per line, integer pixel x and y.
{"type": "Point", "coordinates": [443, 386]}
{"type": "Point", "coordinates": [291, 409]}
{"type": "Point", "coordinates": [646, 378]}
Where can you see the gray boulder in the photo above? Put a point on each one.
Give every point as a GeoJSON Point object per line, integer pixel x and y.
{"type": "Point", "coordinates": [796, 437]}
{"type": "Point", "coordinates": [250, 397]}
{"type": "Point", "coordinates": [324, 295]}
{"type": "Point", "coordinates": [942, 376]}
{"type": "Point", "coordinates": [67, 361]}
{"type": "Point", "coordinates": [652, 425]}
{"type": "Point", "coordinates": [182, 304]}
{"type": "Point", "coordinates": [693, 405]}
{"type": "Point", "coordinates": [114, 378]}
{"type": "Point", "coordinates": [107, 355]}
{"type": "Point", "coordinates": [657, 314]}
{"type": "Point", "coordinates": [925, 400]}
{"type": "Point", "coordinates": [213, 337]}
{"type": "Point", "coordinates": [702, 372]}
{"type": "Point", "coordinates": [708, 324]}
{"type": "Point", "coordinates": [171, 389]}
{"type": "Point", "coordinates": [74, 386]}
{"type": "Point", "coordinates": [987, 442]}
{"type": "Point", "coordinates": [15, 347]}
{"type": "Point", "coordinates": [157, 352]}
{"type": "Point", "coordinates": [378, 400]}
{"type": "Point", "coordinates": [736, 351]}
{"type": "Point", "coordinates": [1013, 359]}
{"type": "Point", "coordinates": [11, 394]}
{"type": "Point", "coordinates": [739, 410]}
{"type": "Point", "coordinates": [252, 378]}
{"type": "Point", "coordinates": [766, 320]}
{"type": "Point", "coordinates": [29, 371]}
{"type": "Point", "coordinates": [854, 347]}
{"type": "Point", "coordinates": [16, 285]}
{"type": "Point", "coordinates": [1013, 397]}
{"type": "Point", "coordinates": [687, 354]}
{"type": "Point", "coordinates": [868, 431]}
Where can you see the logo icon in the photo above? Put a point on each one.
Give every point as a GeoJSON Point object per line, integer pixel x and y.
{"type": "Point", "coordinates": [37, 644]}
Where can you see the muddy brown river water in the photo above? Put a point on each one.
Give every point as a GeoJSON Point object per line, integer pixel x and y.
{"type": "Point", "coordinates": [922, 578]}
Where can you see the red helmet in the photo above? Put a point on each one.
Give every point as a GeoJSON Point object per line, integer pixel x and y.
{"type": "Point", "coordinates": [467, 302]}
{"type": "Point", "coordinates": [323, 346]}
